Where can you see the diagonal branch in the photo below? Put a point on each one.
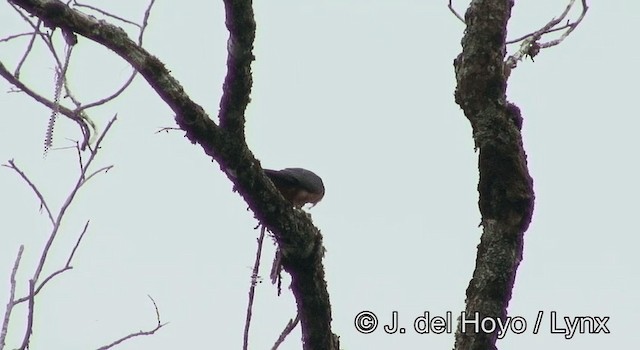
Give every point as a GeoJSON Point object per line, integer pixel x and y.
{"type": "Point", "coordinates": [43, 202]}
{"type": "Point", "coordinates": [252, 288]}
{"type": "Point", "coordinates": [159, 325]}
{"type": "Point", "coordinates": [297, 237]}
{"type": "Point", "coordinates": [291, 325]}
{"type": "Point", "coordinates": [76, 117]}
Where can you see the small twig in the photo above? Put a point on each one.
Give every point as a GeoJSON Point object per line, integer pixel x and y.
{"type": "Point", "coordinates": [79, 154]}
{"type": "Point", "coordinates": [68, 93]}
{"type": "Point", "coordinates": [66, 267]}
{"type": "Point", "coordinates": [69, 199]}
{"type": "Point", "coordinates": [145, 21]}
{"type": "Point", "coordinates": [75, 3]}
{"type": "Point", "coordinates": [112, 96]}
{"type": "Point", "coordinates": [43, 202]}
{"type": "Point", "coordinates": [455, 13]}
{"type": "Point", "coordinates": [291, 325]}
{"type": "Point", "coordinates": [15, 36]}
{"type": "Point", "coordinates": [547, 27]}
{"type": "Point", "coordinates": [571, 27]}
{"type": "Point", "coordinates": [143, 27]}
{"type": "Point", "coordinates": [252, 289]}
{"type": "Point", "coordinates": [46, 38]}
{"type": "Point", "coordinates": [75, 247]}
{"type": "Point", "coordinates": [27, 51]}
{"type": "Point", "coordinates": [141, 333]}
{"type": "Point", "coordinates": [12, 294]}
{"type": "Point", "coordinates": [167, 129]}
{"type": "Point", "coordinates": [103, 169]}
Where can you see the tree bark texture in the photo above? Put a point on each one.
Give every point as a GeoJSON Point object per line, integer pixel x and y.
{"type": "Point", "coordinates": [506, 196]}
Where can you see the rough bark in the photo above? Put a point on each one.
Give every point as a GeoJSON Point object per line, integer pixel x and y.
{"type": "Point", "coordinates": [299, 240]}
{"type": "Point", "coordinates": [505, 188]}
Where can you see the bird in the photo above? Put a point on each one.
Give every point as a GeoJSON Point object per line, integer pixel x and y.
{"type": "Point", "coordinates": [297, 185]}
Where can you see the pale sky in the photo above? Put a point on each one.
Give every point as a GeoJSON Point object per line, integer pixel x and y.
{"type": "Point", "coordinates": [360, 92]}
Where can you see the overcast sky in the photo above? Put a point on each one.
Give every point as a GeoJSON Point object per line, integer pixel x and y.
{"type": "Point", "coordinates": [360, 92]}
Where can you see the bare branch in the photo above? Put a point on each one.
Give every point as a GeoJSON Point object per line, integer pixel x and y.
{"type": "Point", "coordinates": [252, 288]}
{"type": "Point", "coordinates": [112, 96]}
{"type": "Point", "coordinates": [299, 240]}
{"type": "Point", "coordinates": [12, 294]}
{"type": "Point", "coordinates": [159, 325]}
{"type": "Point", "coordinates": [83, 178]}
{"type": "Point", "coordinates": [547, 27]}
{"type": "Point", "coordinates": [143, 27]}
{"type": "Point", "coordinates": [455, 13]}
{"type": "Point", "coordinates": [167, 129]}
{"type": "Point", "coordinates": [103, 169]}
{"type": "Point", "coordinates": [75, 247]}
{"type": "Point", "coordinates": [43, 202]}
{"type": "Point", "coordinates": [36, 32]}
{"type": "Point", "coordinates": [145, 21]}
{"type": "Point", "coordinates": [29, 329]}
{"type": "Point", "coordinates": [108, 14]}
{"type": "Point", "coordinates": [530, 43]}
{"type": "Point", "coordinates": [77, 117]}
{"type": "Point", "coordinates": [67, 203]}
{"type": "Point", "coordinates": [15, 36]}
{"type": "Point", "coordinates": [66, 267]}
{"type": "Point", "coordinates": [77, 114]}
{"type": "Point", "coordinates": [291, 325]}
{"type": "Point", "coordinates": [571, 27]}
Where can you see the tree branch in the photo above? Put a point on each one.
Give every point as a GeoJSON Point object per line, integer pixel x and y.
{"type": "Point", "coordinates": [43, 202]}
{"type": "Point", "coordinates": [159, 325]}
{"type": "Point", "coordinates": [297, 237]}
{"type": "Point", "coordinates": [252, 288]}
{"type": "Point", "coordinates": [43, 100]}
{"type": "Point", "coordinates": [530, 42]}
{"type": "Point", "coordinates": [237, 83]}
{"type": "Point", "coordinates": [291, 325]}
{"type": "Point", "coordinates": [505, 187]}
{"type": "Point", "coordinates": [12, 294]}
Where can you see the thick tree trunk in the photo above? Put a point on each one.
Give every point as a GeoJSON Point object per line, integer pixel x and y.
{"type": "Point", "coordinates": [505, 187]}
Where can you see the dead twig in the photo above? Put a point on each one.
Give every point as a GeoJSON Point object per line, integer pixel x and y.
{"type": "Point", "coordinates": [531, 42]}
{"type": "Point", "coordinates": [15, 36]}
{"type": "Point", "coordinates": [108, 14]}
{"type": "Point", "coordinates": [143, 28]}
{"type": "Point", "coordinates": [455, 13]}
{"type": "Point", "coordinates": [252, 288]}
{"type": "Point", "coordinates": [57, 221]}
{"type": "Point", "coordinates": [291, 325]}
{"type": "Point", "coordinates": [34, 285]}
{"type": "Point", "coordinates": [167, 129]}
{"type": "Point", "coordinates": [159, 325]}
{"type": "Point", "coordinates": [43, 202]}
{"type": "Point", "coordinates": [66, 267]}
